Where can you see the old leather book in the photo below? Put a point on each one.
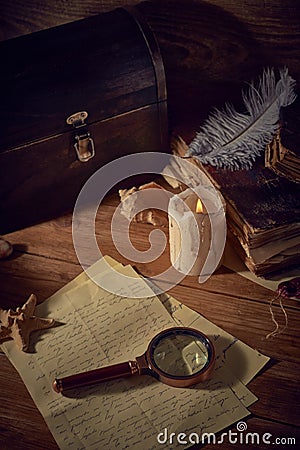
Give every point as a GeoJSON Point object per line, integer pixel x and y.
{"type": "Point", "coordinates": [73, 98]}
{"type": "Point", "coordinates": [263, 214]}
{"type": "Point", "coordinates": [283, 153]}
{"type": "Point", "coordinates": [263, 211]}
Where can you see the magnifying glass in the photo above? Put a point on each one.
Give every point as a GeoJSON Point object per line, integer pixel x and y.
{"type": "Point", "coordinates": [179, 357]}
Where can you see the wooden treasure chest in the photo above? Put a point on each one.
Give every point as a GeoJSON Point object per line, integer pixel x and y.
{"type": "Point", "coordinates": [73, 98]}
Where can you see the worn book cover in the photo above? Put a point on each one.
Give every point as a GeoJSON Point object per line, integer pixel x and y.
{"type": "Point", "coordinates": [263, 213]}
{"type": "Point", "coordinates": [263, 216]}
{"type": "Point", "coordinates": [283, 153]}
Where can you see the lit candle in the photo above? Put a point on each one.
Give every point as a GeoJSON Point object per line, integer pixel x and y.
{"type": "Point", "coordinates": [189, 233]}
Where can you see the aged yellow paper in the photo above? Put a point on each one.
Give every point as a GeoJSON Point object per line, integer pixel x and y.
{"type": "Point", "coordinates": [242, 360]}
{"type": "Point", "coordinates": [239, 362]}
{"type": "Point", "coordinates": [98, 328]}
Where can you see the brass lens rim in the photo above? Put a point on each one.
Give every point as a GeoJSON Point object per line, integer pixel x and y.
{"type": "Point", "coordinates": [181, 380]}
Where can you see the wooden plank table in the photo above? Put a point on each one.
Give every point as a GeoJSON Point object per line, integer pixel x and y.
{"type": "Point", "coordinates": [210, 48]}
{"type": "Point", "coordinates": [44, 260]}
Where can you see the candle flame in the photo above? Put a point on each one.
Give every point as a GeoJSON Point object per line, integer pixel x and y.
{"type": "Point", "coordinates": [199, 206]}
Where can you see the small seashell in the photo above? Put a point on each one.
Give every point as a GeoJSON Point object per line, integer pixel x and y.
{"type": "Point", "coordinates": [6, 248]}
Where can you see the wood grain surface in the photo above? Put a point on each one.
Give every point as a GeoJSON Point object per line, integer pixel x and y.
{"type": "Point", "coordinates": [44, 260]}
{"type": "Point", "coordinates": [210, 49]}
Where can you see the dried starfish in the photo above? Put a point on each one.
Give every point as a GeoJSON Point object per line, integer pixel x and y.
{"type": "Point", "coordinates": [19, 324]}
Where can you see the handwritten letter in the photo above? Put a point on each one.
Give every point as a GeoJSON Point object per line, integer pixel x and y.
{"type": "Point", "coordinates": [97, 328]}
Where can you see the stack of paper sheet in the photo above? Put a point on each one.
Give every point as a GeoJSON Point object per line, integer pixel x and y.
{"type": "Point", "coordinates": [98, 328]}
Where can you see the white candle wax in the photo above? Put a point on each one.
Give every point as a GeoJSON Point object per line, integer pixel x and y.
{"type": "Point", "coordinates": [189, 234]}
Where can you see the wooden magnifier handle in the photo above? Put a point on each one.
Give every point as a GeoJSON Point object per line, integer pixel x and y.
{"type": "Point", "coordinates": [121, 370]}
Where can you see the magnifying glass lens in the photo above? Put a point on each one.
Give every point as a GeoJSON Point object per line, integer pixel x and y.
{"type": "Point", "coordinates": [180, 353]}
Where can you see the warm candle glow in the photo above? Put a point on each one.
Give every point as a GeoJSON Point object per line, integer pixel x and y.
{"type": "Point", "coordinates": [199, 206]}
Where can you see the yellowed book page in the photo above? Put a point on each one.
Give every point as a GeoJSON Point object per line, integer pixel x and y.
{"type": "Point", "coordinates": [234, 263]}
{"type": "Point", "coordinates": [98, 328]}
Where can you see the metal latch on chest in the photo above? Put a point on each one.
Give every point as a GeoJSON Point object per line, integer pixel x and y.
{"type": "Point", "coordinates": [84, 144]}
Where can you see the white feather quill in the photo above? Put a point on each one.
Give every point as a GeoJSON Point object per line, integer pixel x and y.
{"type": "Point", "coordinates": [230, 139]}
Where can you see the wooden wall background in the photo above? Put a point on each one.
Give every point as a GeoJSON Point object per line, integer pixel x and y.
{"type": "Point", "coordinates": [210, 48]}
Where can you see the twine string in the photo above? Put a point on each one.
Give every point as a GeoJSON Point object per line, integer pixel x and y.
{"type": "Point", "coordinates": [276, 330]}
